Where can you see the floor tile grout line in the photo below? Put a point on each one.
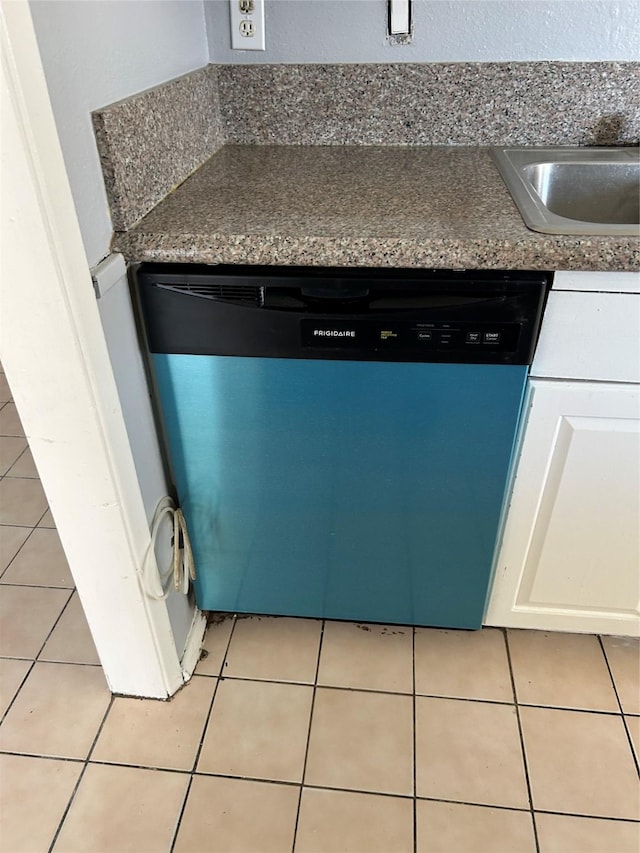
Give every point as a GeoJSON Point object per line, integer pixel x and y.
{"type": "Point", "coordinates": [46, 510]}
{"type": "Point", "coordinates": [478, 805]}
{"type": "Point", "coordinates": [220, 678]}
{"type": "Point", "coordinates": [380, 692]}
{"type": "Point", "coordinates": [35, 660]}
{"type": "Point", "coordinates": [635, 759]}
{"type": "Point", "coordinates": [62, 662]}
{"type": "Point", "coordinates": [323, 686]}
{"type": "Point", "coordinates": [306, 751]}
{"type": "Point", "coordinates": [203, 733]}
{"type": "Point", "coordinates": [183, 805]}
{"type": "Point", "coordinates": [522, 743]}
{"type": "Point", "coordinates": [564, 708]}
{"type": "Point", "coordinates": [72, 760]}
{"type": "Point", "coordinates": [39, 659]}
{"type": "Point", "coordinates": [29, 535]}
{"type": "Point", "coordinates": [376, 793]}
{"type": "Point", "coordinates": [377, 691]}
{"type": "Point", "coordinates": [310, 786]}
{"type": "Point", "coordinates": [34, 585]}
{"type": "Point", "coordinates": [41, 757]}
{"type": "Point", "coordinates": [39, 521]}
{"type": "Point", "coordinates": [292, 784]}
{"type": "Point", "coordinates": [31, 660]}
{"type": "Point", "coordinates": [8, 473]}
{"type": "Point", "coordinates": [369, 690]}
{"type": "Point", "coordinates": [609, 670]}
{"type": "Point", "coordinates": [15, 695]}
{"type": "Point", "coordinates": [85, 763]}
{"type": "Point", "coordinates": [415, 742]}
{"type": "Point", "coordinates": [10, 476]}
{"type": "Point", "coordinates": [53, 628]}
{"type": "Point", "coordinates": [100, 728]}
{"type": "Point", "coordinates": [619, 700]}
{"type": "Point", "coordinates": [201, 774]}
{"type": "Point", "coordinates": [590, 816]}
{"type": "Point", "coordinates": [103, 762]}
{"type": "Point", "coordinates": [27, 480]}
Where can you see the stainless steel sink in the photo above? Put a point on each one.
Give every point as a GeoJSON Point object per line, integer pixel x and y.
{"type": "Point", "coordinates": [574, 190]}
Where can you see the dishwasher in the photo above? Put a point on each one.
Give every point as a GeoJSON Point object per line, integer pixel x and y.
{"type": "Point", "coordinates": [340, 440]}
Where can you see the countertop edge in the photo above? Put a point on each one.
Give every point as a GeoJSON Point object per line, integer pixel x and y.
{"type": "Point", "coordinates": [567, 254]}
{"type": "Point", "coordinates": [358, 206]}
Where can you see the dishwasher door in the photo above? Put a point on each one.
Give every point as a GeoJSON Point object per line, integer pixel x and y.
{"type": "Point", "coordinates": [340, 441]}
{"type": "Point", "coordinates": [365, 491]}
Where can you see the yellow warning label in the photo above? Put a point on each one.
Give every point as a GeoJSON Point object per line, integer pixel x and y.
{"type": "Point", "coordinates": [387, 333]}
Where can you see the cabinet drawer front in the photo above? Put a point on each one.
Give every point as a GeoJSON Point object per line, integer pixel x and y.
{"type": "Point", "coordinates": [598, 282]}
{"type": "Point", "coordinates": [590, 336]}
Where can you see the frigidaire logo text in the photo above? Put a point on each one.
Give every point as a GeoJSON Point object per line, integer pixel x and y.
{"type": "Point", "coordinates": [334, 333]}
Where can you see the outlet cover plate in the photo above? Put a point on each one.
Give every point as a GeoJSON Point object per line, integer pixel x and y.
{"type": "Point", "coordinates": [247, 24]}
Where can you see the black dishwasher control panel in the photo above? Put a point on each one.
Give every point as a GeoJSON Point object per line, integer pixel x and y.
{"type": "Point", "coordinates": [466, 316]}
{"type": "Point", "coordinates": [456, 336]}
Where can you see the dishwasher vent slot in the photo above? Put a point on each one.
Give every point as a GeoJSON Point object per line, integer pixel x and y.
{"type": "Point", "coordinates": [241, 294]}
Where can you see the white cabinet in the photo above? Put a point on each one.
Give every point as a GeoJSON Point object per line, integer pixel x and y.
{"type": "Point", "coordinates": [570, 554]}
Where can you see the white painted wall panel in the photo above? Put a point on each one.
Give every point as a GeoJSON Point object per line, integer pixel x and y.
{"type": "Point", "coordinates": [128, 370]}
{"type": "Point", "coordinates": [54, 353]}
{"type": "Point", "coordinates": [443, 31]}
{"type": "Point", "coordinates": [95, 52]}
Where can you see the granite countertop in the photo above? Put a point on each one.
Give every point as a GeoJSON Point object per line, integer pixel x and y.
{"type": "Point", "coordinates": [439, 207]}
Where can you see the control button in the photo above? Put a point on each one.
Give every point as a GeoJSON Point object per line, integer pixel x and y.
{"type": "Point", "coordinates": [491, 337]}
{"type": "Point", "coordinates": [473, 337]}
{"type": "Point", "coordinates": [425, 336]}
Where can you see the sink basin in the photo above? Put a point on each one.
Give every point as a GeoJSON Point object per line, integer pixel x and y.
{"type": "Point", "coordinates": [574, 190]}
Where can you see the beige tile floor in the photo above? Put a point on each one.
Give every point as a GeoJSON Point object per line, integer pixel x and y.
{"type": "Point", "coordinates": [301, 734]}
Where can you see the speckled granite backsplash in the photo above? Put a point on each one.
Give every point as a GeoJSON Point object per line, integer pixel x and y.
{"type": "Point", "coordinates": [526, 103]}
{"type": "Point", "coordinates": [151, 142]}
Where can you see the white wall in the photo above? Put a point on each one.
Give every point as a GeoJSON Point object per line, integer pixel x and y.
{"type": "Point", "coordinates": [54, 353]}
{"type": "Point", "coordinates": [95, 52]}
{"type": "Point", "coordinates": [444, 31]}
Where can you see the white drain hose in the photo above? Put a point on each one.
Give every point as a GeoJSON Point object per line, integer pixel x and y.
{"type": "Point", "coordinates": [155, 582]}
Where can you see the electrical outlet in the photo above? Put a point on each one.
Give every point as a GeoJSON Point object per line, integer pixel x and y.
{"type": "Point", "coordinates": [247, 24]}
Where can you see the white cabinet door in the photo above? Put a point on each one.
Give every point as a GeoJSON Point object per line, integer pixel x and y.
{"type": "Point", "coordinates": [570, 555]}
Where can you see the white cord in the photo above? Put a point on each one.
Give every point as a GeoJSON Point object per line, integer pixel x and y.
{"type": "Point", "coordinates": [156, 583]}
